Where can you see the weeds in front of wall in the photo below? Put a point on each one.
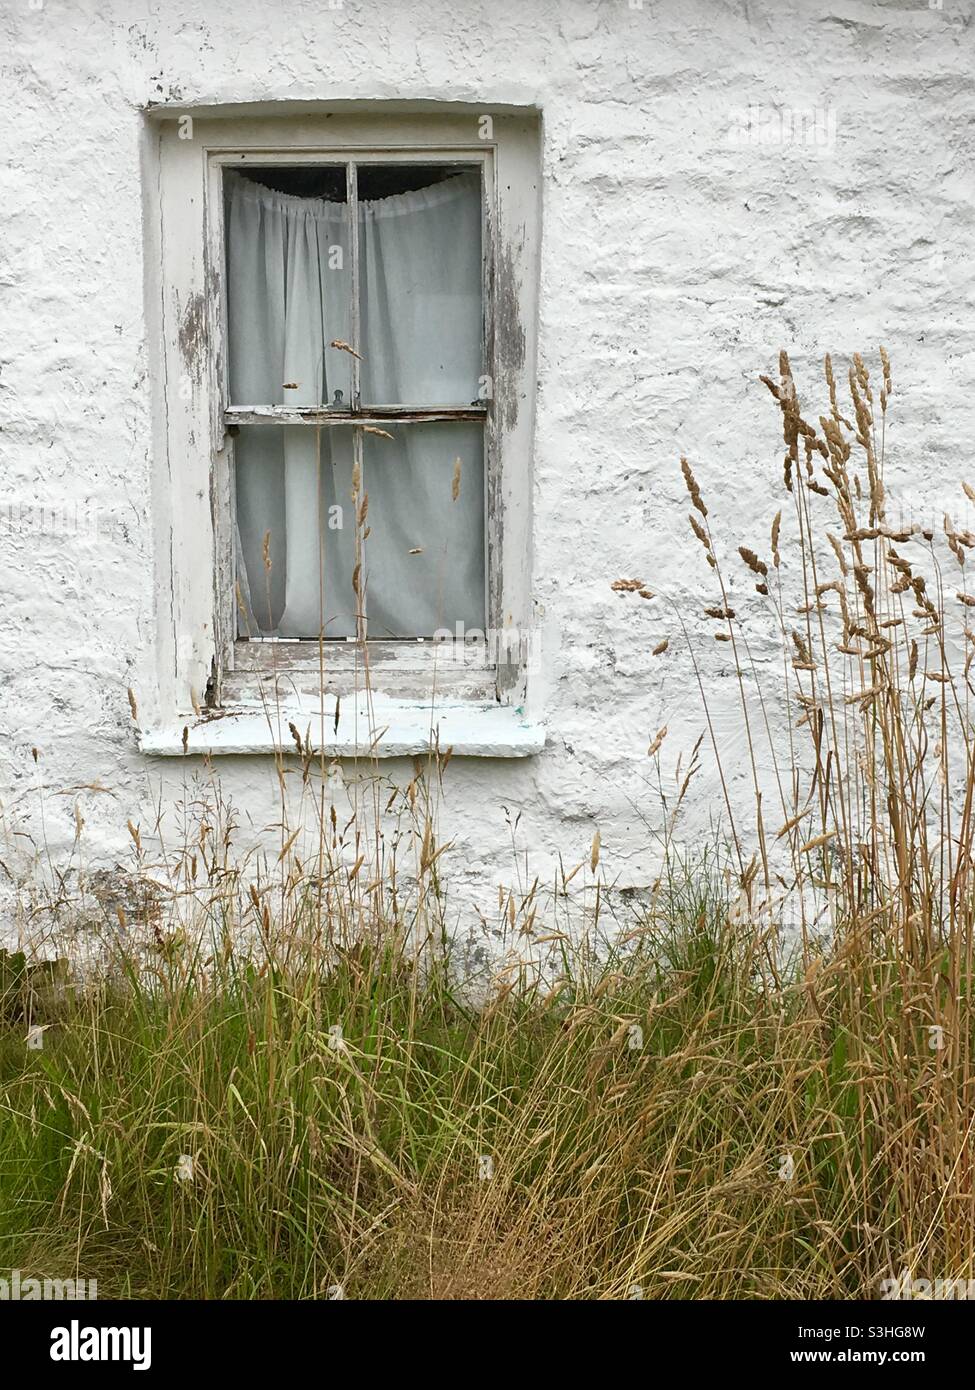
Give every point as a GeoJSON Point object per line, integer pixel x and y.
{"type": "Point", "coordinates": [273, 1086]}
{"type": "Point", "coordinates": [289, 1121]}
{"type": "Point", "coordinates": [869, 808]}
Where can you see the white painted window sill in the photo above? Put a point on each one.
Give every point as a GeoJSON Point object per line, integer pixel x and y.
{"type": "Point", "coordinates": [389, 729]}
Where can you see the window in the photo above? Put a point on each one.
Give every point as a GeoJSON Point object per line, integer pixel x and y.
{"type": "Point", "coordinates": [355, 293]}
{"type": "Point", "coordinates": [346, 326]}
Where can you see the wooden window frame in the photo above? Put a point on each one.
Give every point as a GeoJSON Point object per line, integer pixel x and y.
{"type": "Point", "coordinates": [202, 663]}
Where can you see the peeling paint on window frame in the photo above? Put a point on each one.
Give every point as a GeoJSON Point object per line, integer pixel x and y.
{"type": "Point", "coordinates": [207, 664]}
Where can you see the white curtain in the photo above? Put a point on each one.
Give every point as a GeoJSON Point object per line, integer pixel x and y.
{"type": "Point", "coordinates": [289, 297]}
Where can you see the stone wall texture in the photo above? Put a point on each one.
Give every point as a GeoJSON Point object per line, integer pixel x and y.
{"type": "Point", "coordinates": [720, 179]}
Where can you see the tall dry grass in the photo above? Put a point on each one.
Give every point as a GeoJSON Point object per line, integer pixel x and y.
{"type": "Point", "coordinates": [871, 799]}
{"type": "Point", "coordinates": [271, 1080]}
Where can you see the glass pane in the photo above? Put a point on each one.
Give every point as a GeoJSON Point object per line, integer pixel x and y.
{"type": "Point", "coordinates": [295, 533]}
{"type": "Point", "coordinates": [420, 283]}
{"type": "Point", "coordinates": [289, 285]}
{"type": "Point", "coordinates": [424, 553]}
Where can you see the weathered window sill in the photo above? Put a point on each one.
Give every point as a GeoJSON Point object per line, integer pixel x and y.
{"type": "Point", "coordinates": [386, 729]}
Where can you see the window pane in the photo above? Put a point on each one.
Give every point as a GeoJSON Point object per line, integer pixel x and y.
{"type": "Point", "coordinates": [420, 281]}
{"type": "Point", "coordinates": [289, 285]}
{"type": "Point", "coordinates": [423, 548]}
{"type": "Point", "coordinates": [297, 582]}
{"type": "Point", "coordinates": [424, 555]}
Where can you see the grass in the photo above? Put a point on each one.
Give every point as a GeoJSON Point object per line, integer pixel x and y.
{"type": "Point", "coordinates": [270, 1081]}
{"type": "Point", "coordinates": [632, 1129]}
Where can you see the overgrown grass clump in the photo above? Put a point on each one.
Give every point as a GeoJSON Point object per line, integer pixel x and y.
{"type": "Point", "coordinates": [670, 1122]}
{"type": "Point", "coordinates": [759, 1085]}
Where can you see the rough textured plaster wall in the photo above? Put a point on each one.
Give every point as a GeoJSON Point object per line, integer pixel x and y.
{"type": "Point", "coordinates": [674, 265]}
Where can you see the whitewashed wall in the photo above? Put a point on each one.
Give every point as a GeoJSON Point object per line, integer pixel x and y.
{"type": "Point", "coordinates": [676, 260]}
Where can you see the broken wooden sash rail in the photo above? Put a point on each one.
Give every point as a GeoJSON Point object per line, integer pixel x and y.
{"type": "Point", "coordinates": [237, 415]}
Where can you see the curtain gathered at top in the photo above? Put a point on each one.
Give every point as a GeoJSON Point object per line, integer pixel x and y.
{"type": "Point", "coordinates": [289, 298]}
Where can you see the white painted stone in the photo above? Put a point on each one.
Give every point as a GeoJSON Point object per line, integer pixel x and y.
{"type": "Point", "coordinates": [677, 257]}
